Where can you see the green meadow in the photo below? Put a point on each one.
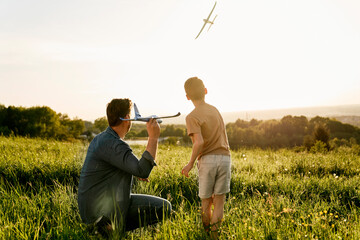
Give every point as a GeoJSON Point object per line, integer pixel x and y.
{"type": "Point", "coordinates": [275, 194]}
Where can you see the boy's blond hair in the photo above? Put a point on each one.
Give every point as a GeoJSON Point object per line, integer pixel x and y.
{"type": "Point", "coordinates": [194, 88]}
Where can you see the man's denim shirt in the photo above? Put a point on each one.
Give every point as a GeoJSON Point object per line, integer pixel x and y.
{"type": "Point", "coordinates": [106, 177]}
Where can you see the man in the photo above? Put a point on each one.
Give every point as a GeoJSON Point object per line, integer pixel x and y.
{"type": "Point", "coordinates": [104, 195]}
{"type": "Point", "coordinates": [207, 130]}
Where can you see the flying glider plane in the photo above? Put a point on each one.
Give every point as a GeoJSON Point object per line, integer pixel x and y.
{"type": "Point", "coordinates": [206, 21]}
{"type": "Point", "coordinates": [138, 117]}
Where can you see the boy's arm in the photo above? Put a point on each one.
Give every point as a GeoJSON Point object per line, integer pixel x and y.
{"type": "Point", "coordinates": [198, 143]}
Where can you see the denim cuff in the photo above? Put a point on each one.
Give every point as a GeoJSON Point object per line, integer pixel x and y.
{"type": "Point", "coordinates": [146, 155]}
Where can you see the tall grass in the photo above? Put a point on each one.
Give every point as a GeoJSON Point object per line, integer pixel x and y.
{"type": "Point", "coordinates": [274, 194]}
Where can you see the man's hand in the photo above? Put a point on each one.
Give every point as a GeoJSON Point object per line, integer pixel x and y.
{"type": "Point", "coordinates": [185, 171]}
{"type": "Point", "coordinates": [153, 128]}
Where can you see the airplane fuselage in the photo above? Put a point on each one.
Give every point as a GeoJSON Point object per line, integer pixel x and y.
{"type": "Point", "coordinates": [146, 119]}
{"type": "Point", "coordinates": [207, 21]}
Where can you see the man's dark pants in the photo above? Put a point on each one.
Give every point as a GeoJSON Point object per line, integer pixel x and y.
{"type": "Point", "coordinates": [143, 210]}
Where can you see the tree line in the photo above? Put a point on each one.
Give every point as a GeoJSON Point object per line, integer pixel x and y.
{"type": "Point", "coordinates": [38, 122]}
{"type": "Point", "coordinates": [291, 131]}
{"type": "Point", "coordinates": [288, 132]}
{"type": "Point", "coordinates": [46, 123]}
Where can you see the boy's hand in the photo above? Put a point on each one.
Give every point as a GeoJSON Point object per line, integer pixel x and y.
{"type": "Point", "coordinates": [185, 171]}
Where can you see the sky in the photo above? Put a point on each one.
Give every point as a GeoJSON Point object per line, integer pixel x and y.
{"type": "Point", "coordinates": [76, 55]}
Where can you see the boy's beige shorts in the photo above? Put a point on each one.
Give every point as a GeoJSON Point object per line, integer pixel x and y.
{"type": "Point", "coordinates": [214, 175]}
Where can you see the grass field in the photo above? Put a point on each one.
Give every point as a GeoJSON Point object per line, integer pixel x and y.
{"type": "Point", "coordinates": [274, 194]}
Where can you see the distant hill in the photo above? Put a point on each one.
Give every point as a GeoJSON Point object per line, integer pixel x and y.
{"type": "Point", "coordinates": [345, 113]}
{"type": "Point", "coordinates": [352, 120]}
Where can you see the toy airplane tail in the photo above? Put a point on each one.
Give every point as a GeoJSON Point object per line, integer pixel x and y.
{"type": "Point", "coordinates": [137, 113]}
{"type": "Point", "coordinates": [211, 23]}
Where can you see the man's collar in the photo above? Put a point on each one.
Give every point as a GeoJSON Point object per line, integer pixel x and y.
{"type": "Point", "coordinates": [112, 132]}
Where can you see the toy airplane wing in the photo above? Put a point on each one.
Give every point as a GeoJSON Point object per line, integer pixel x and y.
{"type": "Point", "coordinates": [171, 116]}
{"type": "Point", "coordinates": [158, 119]}
{"type": "Point", "coordinates": [201, 30]}
{"type": "Point", "coordinates": [146, 119]}
{"type": "Point", "coordinates": [206, 21]}
{"type": "Point", "coordinates": [211, 12]}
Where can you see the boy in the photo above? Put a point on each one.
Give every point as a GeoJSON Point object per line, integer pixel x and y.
{"type": "Point", "coordinates": [206, 129]}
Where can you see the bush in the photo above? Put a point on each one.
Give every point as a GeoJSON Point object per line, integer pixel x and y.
{"type": "Point", "coordinates": [319, 147]}
{"type": "Point", "coordinates": [171, 141]}
{"type": "Point", "coordinates": [321, 133]}
{"type": "Point", "coordinates": [335, 143]}
{"type": "Point", "coordinates": [308, 142]}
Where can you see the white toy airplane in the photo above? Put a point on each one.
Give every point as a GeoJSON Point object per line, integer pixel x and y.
{"type": "Point", "coordinates": [206, 21]}
{"type": "Point", "coordinates": [146, 119]}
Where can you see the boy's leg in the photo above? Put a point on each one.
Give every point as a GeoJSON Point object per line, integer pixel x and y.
{"type": "Point", "coordinates": [222, 186]}
{"type": "Point", "coordinates": [206, 212]}
{"type": "Point", "coordinates": [218, 214]}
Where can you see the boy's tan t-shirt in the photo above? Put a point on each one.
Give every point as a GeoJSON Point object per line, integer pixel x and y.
{"type": "Point", "coordinates": [207, 120]}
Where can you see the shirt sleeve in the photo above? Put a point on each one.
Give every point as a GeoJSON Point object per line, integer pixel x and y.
{"type": "Point", "coordinates": [146, 155]}
{"type": "Point", "coordinates": [122, 157]}
{"type": "Point", "coordinates": [192, 125]}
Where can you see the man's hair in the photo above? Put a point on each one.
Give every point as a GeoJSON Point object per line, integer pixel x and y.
{"type": "Point", "coordinates": [194, 88]}
{"type": "Point", "coordinates": [116, 109]}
